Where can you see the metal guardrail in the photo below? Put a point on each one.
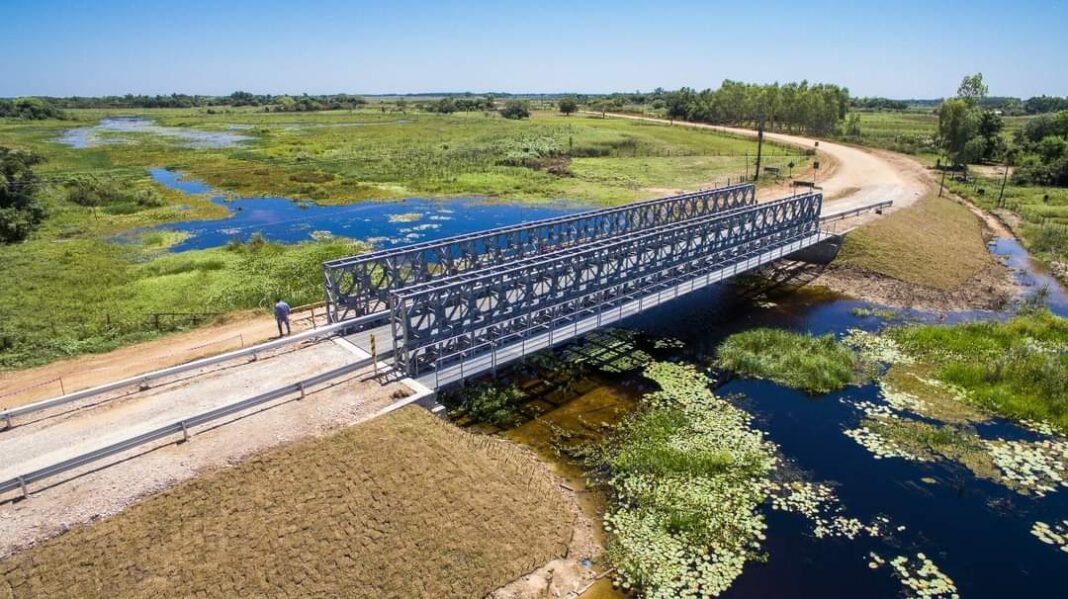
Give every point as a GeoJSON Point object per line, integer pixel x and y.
{"type": "Point", "coordinates": [144, 379]}
{"type": "Point", "coordinates": [182, 426]}
{"type": "Point", "coordinates": [851, 212]}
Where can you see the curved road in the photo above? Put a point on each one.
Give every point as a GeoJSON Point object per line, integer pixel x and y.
{"type": "Point", "coordinates": [859, 176]}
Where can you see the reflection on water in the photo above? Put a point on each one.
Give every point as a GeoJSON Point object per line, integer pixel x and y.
{"type": "Point", "coordinates": [124, 130]}
{"type": "Point", "coordinates": [384, 224]}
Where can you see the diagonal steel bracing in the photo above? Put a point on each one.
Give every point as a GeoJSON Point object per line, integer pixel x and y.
{"type": "Point", "coordinates": [362, 284]}
{"type": "Point", "coordinates": [442, 317]}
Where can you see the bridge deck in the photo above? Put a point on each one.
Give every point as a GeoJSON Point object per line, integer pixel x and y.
{"type": "Point", "coordinates": [492, 357]}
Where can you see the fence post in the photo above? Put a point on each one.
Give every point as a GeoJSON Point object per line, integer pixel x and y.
{"type": "Point", "coordinates": [62, 387]}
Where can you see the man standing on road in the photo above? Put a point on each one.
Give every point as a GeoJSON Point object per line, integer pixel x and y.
{"type": "Point", "coordinates": [281, 315]}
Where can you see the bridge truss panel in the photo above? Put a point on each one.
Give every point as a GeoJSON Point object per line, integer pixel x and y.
{"type": "Point", "coordinates": [361, 285]}
{"type": "Point", "coordinates": [436, 321]}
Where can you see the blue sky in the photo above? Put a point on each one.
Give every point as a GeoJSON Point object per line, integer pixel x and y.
{"type": "Point", "coordinates": [901, 48]}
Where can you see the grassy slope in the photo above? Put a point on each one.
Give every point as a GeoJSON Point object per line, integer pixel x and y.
{"type": "Point", "coordinates": [935, 242]}
{"type": "Point", "coordinates": [382, 509]}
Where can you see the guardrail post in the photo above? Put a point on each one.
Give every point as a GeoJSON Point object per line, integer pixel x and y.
{"type": "Point", "coordinates": [144, 386]}
{"type": "Point", "coordinates": [185, 433]}
{"type": "Point", "coordinates": [300, 386]}
{"type": "Point", "coordinates": [22, 485]}
{"type": "Point", "coordinates": [7, 421]}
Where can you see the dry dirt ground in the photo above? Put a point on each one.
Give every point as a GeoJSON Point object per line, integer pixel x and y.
{"type": "Point", "coordinates": [104, 488]}
{"type": "Point", "coordinates": [21, 387]}
{"type": "Point", "coordinates": [405, 505]}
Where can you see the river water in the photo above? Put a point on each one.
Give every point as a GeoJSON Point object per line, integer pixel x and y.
{"type": "Point", "coordinates": [384, 224]}
{"type": "Point", "coordinates": [976, 531]}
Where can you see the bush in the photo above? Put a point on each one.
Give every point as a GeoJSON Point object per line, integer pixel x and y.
{"type": "Point", "coordinates": [20, 210]}
{"type": "Point", "coordinates": [516, 109]}
{"type": "Point", "coordinates": [93, 192]}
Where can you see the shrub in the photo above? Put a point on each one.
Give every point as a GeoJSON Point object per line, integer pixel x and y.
{"type": "Point", "coordinates": [20, 210]}
{"type": "Point", "coordinates": [811, 364]}
{"type": "Point", "coordinates": [516, 109]}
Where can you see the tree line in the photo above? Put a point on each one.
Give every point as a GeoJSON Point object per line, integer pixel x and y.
{"type": "Point", "coordinates": [793, 107]}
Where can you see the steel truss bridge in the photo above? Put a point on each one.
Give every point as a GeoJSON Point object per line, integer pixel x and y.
{"type": "Point", "coordinates": [467, 304]}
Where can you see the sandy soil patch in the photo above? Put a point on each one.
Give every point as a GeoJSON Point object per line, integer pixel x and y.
{"type": "Point", "coordinates": [401, 506]}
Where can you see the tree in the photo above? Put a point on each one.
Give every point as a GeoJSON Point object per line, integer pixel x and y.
{"type": "Point", "coordinates": [20, 210]}
{"type": "Point", "coordinates": [957, 125]}
{"type": "Point", "coordinates": [972, 89]}
{"type": "Point", "coordinates": [515, 109]}
{"type": "Point", "coordinates": [989, 129]}
{"type": "Point", "coordinates": [568, 106]}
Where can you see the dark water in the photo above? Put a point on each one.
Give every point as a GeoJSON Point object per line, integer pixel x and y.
{"type": "Point", "coordinates": [385, 224]}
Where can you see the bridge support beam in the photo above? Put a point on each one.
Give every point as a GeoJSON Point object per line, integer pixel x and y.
{"type": "Point", "coordinates": [822, 253]}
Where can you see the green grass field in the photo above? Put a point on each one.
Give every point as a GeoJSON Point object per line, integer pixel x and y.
{"type": "Point", "coordinates": [1037, 215]}
{"type": "Point", "coordinates": [75, 290]}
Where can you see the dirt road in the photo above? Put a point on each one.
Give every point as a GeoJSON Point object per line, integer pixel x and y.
{"type": "Point", "coordinates": [856, 177]}
{"type": "Point", "coordinates": [21, 387]}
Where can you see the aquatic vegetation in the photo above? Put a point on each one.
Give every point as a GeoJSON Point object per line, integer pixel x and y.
{"type": "Point", "coordinates": [818, 503]}
{"type": "Point", "coordinates": [876, 349]}
{"type": "Point", "coordinates": [486, 402]}
{"type": "Point", "coordinates": [879, 445]}
{"type": "Point", "coordinates": [922, 577]}
{"type": "Point", "coordinates": [668, 343]}
{"type": "Point", "coordinates": [1017, 369]}
{"type": "Point", "coordinates": [405, 217]}
{"type": "Point", "coordinates": [805, 362]}
{"type": "Point", "coordinates": [912, 388]}
{"type": "Point", "coordinates": [882, 314]}
{"type": "Point", "coordinates": [1056, 535]}
{"type": "Point", "coordinates": [1038, 467]}
{"type": "Point", "coordinates": [688, 475]}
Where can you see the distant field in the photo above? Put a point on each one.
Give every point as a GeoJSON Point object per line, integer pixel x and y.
{"type": "Point", "coordinates": [343, 156]}
{"type": "Point", "coordinates": [402, 506]}
{"type": "Point", "coordinates": [75, 289]}
{"type": "Point", "coordinates": [913, 131]}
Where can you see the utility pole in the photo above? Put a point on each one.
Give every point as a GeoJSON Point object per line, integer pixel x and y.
{"type": "Point", "coordinates": [1004, 179]}
{"type": "Point", "coordinates": [760, 148]}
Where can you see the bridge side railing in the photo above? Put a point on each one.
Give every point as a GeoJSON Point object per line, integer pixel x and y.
{"type": "Point", "coordinates": [180, 427]}
{"type": "Point", "coordinates": [144, 380]}
{"type": "Point", "coordinates": [492, 301]}
{"type": "Point", "coordinates": [361, 284]}
{"type": "Point", "coordinates": [565, 327]}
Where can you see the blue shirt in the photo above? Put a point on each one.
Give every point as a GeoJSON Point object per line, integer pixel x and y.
{"type": "Point", "coordinates": [281, 311]}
